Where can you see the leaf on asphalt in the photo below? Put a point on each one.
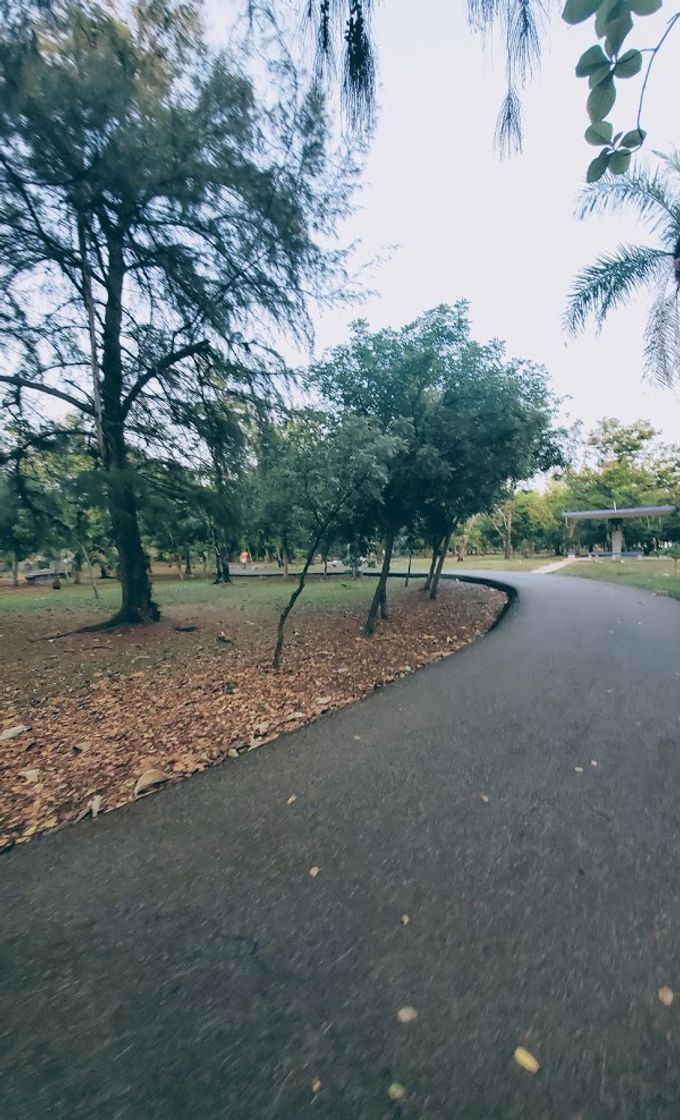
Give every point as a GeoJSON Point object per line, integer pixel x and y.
{"type": "Point", "coordinates": [316, 1085]}
{"type": "Point", "coordinates": [149, 779]}
{"type": "Point", "coordinates": [485, 798]}
{"type": "Point", "coordinates": [291, 799]}
{"type": "Point", "coordinates": [407, 1015]}
{"type": "Point", "coordinates": [666, 995]}
{"type": "Point", "coordinates": [95, 805]}
{"type": "Point", "coordinates": [396, 1091]}
{"type": "Point", "coordinates": [526, 1060]}
{"type": "Point", "coordinates": [404, 919]}
{"type": "Point", "coordinates": [593, 762]}
{"type": "Point", "coordinates": [578, 769]}
{"type": "Point", "coordinates": [314, 871]}
{"type": "Point", "coordinates": [232, 753]}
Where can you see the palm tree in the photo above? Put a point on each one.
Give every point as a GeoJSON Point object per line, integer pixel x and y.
{"type": "Point", "coordinates": [615, 277]}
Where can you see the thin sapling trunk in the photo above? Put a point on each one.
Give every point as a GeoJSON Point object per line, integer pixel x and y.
{"type": "Point", "coordinates": [299, 587]}
{"type": "Point", "coordinates": [379, 601]}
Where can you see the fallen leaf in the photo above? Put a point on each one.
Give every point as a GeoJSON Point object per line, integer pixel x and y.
{"type": "Point", "coordinates": [396, 1092]}
{"type": "Point", "coordinates": [593, 762]}
{"type": "Point", "coordinates": [12, 732]}
{"type": "Point", "coordinates": [314, 871]}
{"type": "Point", "coordinates": [95, 805]}
{"type": "Point", "coordinates": [485, 798]}
{"type": "Point", "coordinates": [666, 995]}
{"type": "Point", "coordinates": [578, 769]}
{"type": "Point", "coordinates": [149, 779]}
{"type": "Point", "coordinates": [316, 1085]}
{"type": "Point", "coordinates": [232, 753]}
{"type": "Point", "coordinates": [526, 1060]}
{"type": "Point", "coordinates": [291, 799]}
{"type": "Point", "coordinates": [29, 775]}
{"type": "Point", "coordinates": [406, 1014]}
{"type": "Point", "coordinates": [404, 919]}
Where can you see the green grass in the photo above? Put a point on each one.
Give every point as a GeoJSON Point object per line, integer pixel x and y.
{"type": "Point", "coordinates": [333, 593]}
{"type": "Point", "coordinates": [478, 563]}
{"type": "Point", "coordinates": [650, 573]}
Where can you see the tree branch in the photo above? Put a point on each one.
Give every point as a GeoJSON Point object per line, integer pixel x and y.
{"type": "Point", "coordinates": [188, 351]}
{"type": "Point", "coordinates": [36, 386]}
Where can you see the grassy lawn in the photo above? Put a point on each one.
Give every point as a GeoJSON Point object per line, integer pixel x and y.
{"type": "Point", "coordinates": [494, 563]}
{"type": "Point", "coordinates": [337, 591]}
{"type": "Point", "coordinates": [650, 573]}
{"type": "Point", "coordinates": [331, 593]}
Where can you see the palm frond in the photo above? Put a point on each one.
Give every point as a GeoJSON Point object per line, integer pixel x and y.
{"type": "Point", "coordinates": [662, 339]}
{"type": "Point", "coordinates": [653, 197]}
{"type": "Point", "coordinates": [612, 280]}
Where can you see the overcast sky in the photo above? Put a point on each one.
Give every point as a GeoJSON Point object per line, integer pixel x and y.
{"type": "Point", "coordinates": [500, 233]}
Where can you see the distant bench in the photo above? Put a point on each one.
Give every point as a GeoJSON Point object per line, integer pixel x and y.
{"type": "Point", "coordinates": [44, 576]}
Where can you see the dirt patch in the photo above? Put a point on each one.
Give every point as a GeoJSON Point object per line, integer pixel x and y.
{"type": "Point", "coordinates": [101, 710]}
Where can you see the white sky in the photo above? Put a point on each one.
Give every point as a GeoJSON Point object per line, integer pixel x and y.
{"type": "Point", "coordinates": [500, 233]}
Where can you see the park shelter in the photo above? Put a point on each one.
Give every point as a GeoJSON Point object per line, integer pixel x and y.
{"type": "Point", "coordinates": [615, 518]}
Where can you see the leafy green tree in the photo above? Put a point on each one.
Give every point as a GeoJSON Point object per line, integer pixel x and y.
{"type": "Point", "coordinates": [169, 218]}
{"type": "Point", "coordinates": [469, 423]}
{"type": "Point", "coordinates": [617, 278]}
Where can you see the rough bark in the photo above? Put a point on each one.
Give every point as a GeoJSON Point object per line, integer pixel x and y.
{"type": "Point", "coordinates": [15, 569]}
{"type": "Point", "coordinates": [188, 570]}
{"type": "Point", "coordinates": [285, 563]}
{"type": "Point", "coordinates": [379, 600]}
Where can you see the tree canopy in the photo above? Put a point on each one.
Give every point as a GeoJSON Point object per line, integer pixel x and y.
{"type": "Point", "coordinates": [159, 222]}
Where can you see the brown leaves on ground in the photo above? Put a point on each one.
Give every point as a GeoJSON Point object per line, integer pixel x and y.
{"type": "Point", "coordinates": [99, 712]}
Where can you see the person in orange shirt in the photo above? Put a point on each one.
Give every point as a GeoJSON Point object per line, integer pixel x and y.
{"type": "Point", "coordinates": [244, 557]}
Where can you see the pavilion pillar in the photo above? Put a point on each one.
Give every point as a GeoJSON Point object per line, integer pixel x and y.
{"type": "Point", "coordinates": [617, 538]}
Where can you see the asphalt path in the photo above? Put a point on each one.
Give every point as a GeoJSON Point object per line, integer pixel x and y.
{"type": "Point", "coordinates": [175, 959]}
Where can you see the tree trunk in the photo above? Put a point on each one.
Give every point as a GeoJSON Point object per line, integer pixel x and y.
{"type": "Point", "coordinates": [285, 563]}
{"type": "Point", "coordinates": [433, 564]}
{"type": "Point", "coordinates": [188, 571]}
{"type": "Point", "coordinates": [137, 604]}
{"type": "Point", "coordinates": [434, 587]}
{"type": "Point", "coordinates": [276, 661]}
{"type": "Point", "coordinates": [90, 569]}
{"type": "Point", "coordinates": [178, 560]}
{"type": "Point", "coordinates": [408, 573]}
{"type": "Point", "coordinates": [15, 569]}
{"type": "Point", "coordinates": [379, 600]}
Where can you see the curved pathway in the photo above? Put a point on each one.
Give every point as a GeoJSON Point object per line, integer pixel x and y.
{"type": "Point", "coordinates": [174, 960]}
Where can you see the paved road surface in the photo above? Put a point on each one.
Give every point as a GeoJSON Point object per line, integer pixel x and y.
{"type": "Point", "coordinates": [174, 960]}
